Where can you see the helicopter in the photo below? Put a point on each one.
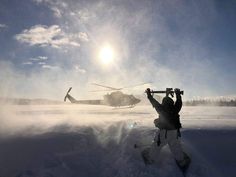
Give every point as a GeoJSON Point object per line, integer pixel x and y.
{"type": "Point", "coordinates": [115, 99]}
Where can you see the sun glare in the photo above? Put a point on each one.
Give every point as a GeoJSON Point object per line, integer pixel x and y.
{"type": "Point", "coordinates": [106, 55]}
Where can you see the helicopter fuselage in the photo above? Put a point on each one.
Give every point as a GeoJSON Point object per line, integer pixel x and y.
{"type": "Point", "coordinates": [114, 99]}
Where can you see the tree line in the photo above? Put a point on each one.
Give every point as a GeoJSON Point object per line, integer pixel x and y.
{"type": "Point", "coordinates": [209, 102]}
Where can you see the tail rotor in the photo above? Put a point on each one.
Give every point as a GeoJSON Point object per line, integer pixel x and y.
{"type": "Point", "coordinates": [67, 93]}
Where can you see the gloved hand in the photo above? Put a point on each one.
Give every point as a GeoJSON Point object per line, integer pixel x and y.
{"type": "Point", "coordinates": [156, 122]}
{"type": "Point", "coordinates": [148, 92]}
{"type": "Point", "coordinates": [177, 91]}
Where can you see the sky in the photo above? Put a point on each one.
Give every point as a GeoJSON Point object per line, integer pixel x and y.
{"type": "Point", "coordinates": [48, 46]}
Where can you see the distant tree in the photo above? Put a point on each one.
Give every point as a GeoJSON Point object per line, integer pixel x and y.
{"type": "Point", "coordinates": [211, 102]}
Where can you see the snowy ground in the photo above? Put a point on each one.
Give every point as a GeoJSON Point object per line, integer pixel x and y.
{"type": "Point", "coordinates": [97, 141]}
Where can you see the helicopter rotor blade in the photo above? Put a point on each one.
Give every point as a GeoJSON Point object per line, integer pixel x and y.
{"type": "Point", "coordinates": [116, 89]}
{"type": "Point", "coordinates": [136, 85]}
{"type": "Point", "coordinates": [69, 90]}
{"type": "Point", "coordinates": [101, 90]}
{"type": "Point", "coordinates": [111, 88]}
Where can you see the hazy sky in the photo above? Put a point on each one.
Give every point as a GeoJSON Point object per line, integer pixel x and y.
{"type": "Point", "coordinates": [50, 45]}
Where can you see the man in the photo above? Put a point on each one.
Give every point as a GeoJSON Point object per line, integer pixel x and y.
{"type": "Point", "coordinates": [168, 133]}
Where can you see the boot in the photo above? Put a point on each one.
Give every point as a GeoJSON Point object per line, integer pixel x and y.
{"type": "Point", "coordinates": [184, 164]}
{"type": "Point", "coordinates": [146, 157]}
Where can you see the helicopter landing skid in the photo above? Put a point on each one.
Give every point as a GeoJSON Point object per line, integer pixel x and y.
{"type": "Point", "coordinates": [124, 107]}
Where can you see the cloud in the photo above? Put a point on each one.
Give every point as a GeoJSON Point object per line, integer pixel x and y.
{"type": "Point", "coordinates": [39, 58]}
{"type": "Point", "coordinates": [2, 26]}
{"type": "Point", "coordinates": [43, 35]}
{"type": "Point", "coordinates": [83, 36]}
{"type": "Point", "coordinates": [40, 1]}
{"type": "Point", "coordinates": [41, 63]}
{"type": "Point", "coordinates": [27, 63]}
{"type": "Point", "coordinates": [57, 7]}
{"type": "Point", "coordinates": [84, 15]}
{"type": "Point", "coordinates": [79, 69]}
{"type": "Point", "coordinates": [51, 67]}
{"type": "Point", "coordinates": [56, 11]}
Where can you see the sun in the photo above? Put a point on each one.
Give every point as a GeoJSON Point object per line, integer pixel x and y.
{"type": "Point", "coordinates": [106, 54]}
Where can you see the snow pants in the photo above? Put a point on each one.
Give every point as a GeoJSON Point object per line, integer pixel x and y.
{"type": "Point", "coordinates": [164, 137]}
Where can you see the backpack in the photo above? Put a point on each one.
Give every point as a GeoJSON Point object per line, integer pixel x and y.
{"type": "Point", "coordinates": [168, 121]}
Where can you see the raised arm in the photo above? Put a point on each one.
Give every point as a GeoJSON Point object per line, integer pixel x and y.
{"type": "Point", "coordinates": [153, 101]}
{"type": "Point", "coordinates": [178, 103]}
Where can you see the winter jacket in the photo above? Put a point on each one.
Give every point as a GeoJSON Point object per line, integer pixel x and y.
{"type": "Point", "coordinates": [168, 116]}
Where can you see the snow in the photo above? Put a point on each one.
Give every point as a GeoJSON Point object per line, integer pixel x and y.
{"type": "Point", "coordinates": [89, 141]}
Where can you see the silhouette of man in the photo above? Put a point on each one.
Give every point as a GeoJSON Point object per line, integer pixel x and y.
{"type": "Point", "coordinates": [168, 132]}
